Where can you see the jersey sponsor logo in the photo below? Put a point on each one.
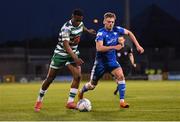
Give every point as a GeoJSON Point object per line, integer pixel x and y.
{"type": "Point", "coordinates": [111, 41]}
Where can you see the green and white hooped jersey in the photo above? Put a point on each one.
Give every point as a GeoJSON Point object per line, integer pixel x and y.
{"type": "Point", "coordinates": [68, 32]}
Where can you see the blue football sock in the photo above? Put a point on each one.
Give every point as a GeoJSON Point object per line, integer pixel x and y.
{"type": "Point", "coordinates": [122, 89]}
{"type": "Point", "coordinates": [84, 89]}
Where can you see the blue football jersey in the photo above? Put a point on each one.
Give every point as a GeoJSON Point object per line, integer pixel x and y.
{"type": "Point", "coordinates": [109, 38]}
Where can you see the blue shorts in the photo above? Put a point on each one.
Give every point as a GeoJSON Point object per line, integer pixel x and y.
{"type": "Point", "coordinates": [100, 68]}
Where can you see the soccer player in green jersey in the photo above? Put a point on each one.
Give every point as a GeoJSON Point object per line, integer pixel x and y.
{"type": "Point", "coordinates": [66, 54]}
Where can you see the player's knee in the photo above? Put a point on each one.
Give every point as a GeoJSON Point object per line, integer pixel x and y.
{"type": "Point", "coordinates": [120, 77]}
{"type": "Point", "coordinates": [77, 77]}
{"type": "Point", "coordinates": [90, 86]}
{"type": "Point", "coordinates": [50, 79]}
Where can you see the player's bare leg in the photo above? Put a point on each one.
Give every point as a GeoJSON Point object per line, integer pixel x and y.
{"type": "Point", "coordinates": [89, 85]}
{"type": "Point", "coordinates": [76, 73]}
{"type": "Point", "coordinates": [49, 79]}
{"type": "Point", "coordinates": [118, 73]}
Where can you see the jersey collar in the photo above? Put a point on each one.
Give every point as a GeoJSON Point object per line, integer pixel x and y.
{"type": "Point", "coordinates": [72, 24]}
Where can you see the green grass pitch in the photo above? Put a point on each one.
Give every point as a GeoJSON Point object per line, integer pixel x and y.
{"type": "Point", "coordinates": [149, 100]}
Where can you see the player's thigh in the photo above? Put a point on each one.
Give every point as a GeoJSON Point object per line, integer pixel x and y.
{"type": "Point", "coordinates": [97, 72]}
{"type": "Point", "coordinates": [74, 69]}
{"type": "Point", "coordinates": [51, 74]}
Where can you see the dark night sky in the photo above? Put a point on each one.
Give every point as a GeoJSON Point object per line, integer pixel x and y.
{"type": "Point", "coordinates": [23, 19]}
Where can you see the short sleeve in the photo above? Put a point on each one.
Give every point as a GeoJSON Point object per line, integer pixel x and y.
{"type": "Point", "coordinates": [65, 34]}
{"type": "Point", "coordinates": [99, 36]}
{"type": "Point", "coordinates": [120, 30]}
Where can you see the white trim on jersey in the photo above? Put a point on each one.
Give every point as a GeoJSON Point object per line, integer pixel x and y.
{"type": "Point", "coordinates": [93, 70]}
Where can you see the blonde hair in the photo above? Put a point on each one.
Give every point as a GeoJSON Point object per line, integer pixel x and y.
{"type": "Point", "coordinates": [109, 15]}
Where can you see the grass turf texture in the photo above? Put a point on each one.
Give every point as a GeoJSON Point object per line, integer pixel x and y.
{"type": "Point", "coordinates": [156, 100]}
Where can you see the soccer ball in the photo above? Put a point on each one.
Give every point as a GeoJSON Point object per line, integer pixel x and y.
{"type": "Point", "coordinates": [84, 105]}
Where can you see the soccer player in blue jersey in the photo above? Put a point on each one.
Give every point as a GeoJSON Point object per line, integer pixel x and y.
{"type": "Point", "coordinates": [106, 46]}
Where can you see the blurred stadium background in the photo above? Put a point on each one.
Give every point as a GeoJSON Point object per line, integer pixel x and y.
{"type": "Point", "coordinates": [29, 32]}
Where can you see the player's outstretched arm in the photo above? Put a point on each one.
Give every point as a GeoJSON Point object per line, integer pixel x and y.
{"type": "Point", "coordinates": [134, 40]}
{"type": "Point", "coordinates": [91, 31]}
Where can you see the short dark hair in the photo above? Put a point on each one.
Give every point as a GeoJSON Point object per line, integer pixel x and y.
{"type": "Point", "coordinates": [77, 12]}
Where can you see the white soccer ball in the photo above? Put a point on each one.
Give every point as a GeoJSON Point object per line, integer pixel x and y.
{"type": "Point", "coordinates": [84, 105]}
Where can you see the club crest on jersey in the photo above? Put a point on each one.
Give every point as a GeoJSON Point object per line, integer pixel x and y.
{"type": "Point", "coordinates": [99, 34]}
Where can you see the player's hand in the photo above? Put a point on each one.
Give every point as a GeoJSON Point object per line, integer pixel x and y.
{"type": "Point", "coordinates": [121, 40]}
{"type": "Point", "coordinates": [76, 40]}
{"type": "Point", "coordinates": [118, 47]}
{"type": "Point", "coordinates": [92, 31]}
{"type": "Point", "coordinates": [78, 61]}
{"type": "Point", "coordinates": [140, 49]}
{"type": "Point", "coordinates": [134, 65]}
